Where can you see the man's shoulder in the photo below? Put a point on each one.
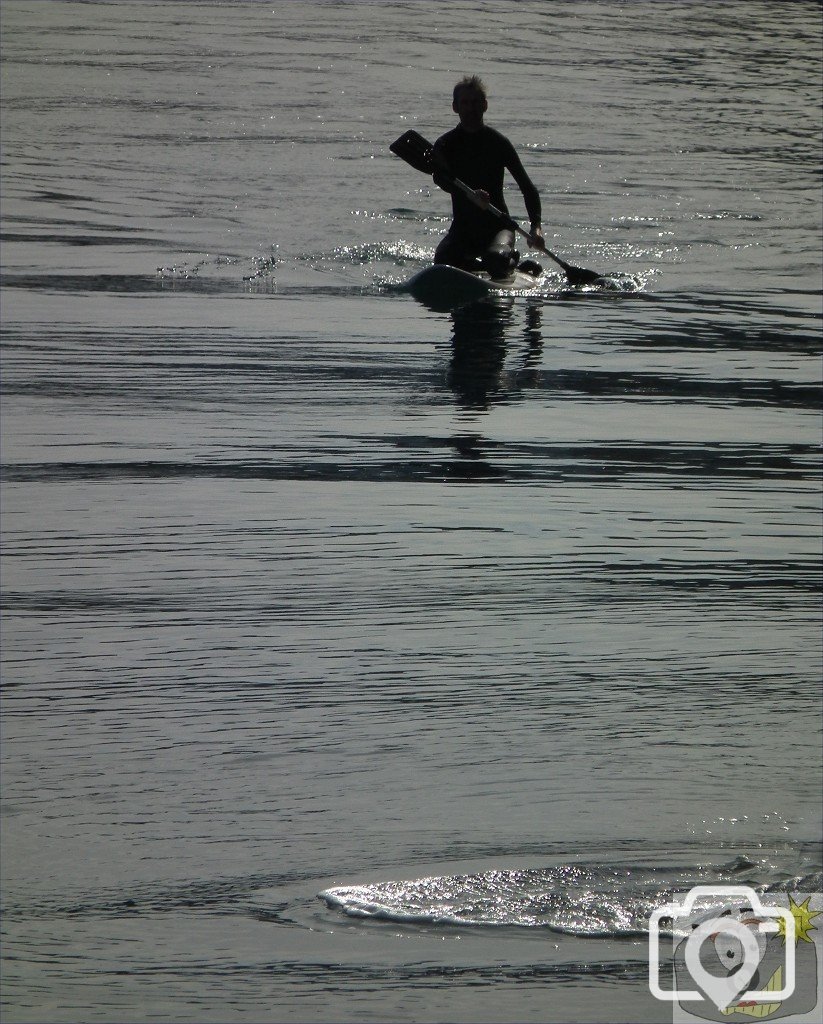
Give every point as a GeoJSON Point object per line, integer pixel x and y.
{"type": "Point", "coordinates": [493, 133]}
{"type": "Point", "coordinates": [449, 137]}
{"type": "Point", "coordinates": [498, 141]}
{"type": "Point", "coordinates": [487, 136]}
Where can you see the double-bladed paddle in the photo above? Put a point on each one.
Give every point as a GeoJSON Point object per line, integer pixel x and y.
{"type": "Point", "coordinates": [420, 154]}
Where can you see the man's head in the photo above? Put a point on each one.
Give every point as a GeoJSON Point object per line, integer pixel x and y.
{"type": "Point", "coordinates": [469, 102]}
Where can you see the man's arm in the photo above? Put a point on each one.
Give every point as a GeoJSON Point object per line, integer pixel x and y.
{"type": "Point", "coordinates": [531, 196]}
{"type": "Point", "coordinates": [444, 178]}
{"type": "Point", "coordinates": [442, 174]}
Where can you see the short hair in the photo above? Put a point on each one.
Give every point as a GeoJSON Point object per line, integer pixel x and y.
{"type": "Point", "coordinates": [469, 82]}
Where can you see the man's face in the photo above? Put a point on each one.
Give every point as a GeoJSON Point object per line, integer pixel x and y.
{"type": "Point", "coordinates": [470, 106]}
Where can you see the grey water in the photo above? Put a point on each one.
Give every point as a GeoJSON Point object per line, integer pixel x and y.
{"type": "Point", "coordinates": [366, 661]}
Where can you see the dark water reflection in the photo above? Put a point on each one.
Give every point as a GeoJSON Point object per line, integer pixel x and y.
{"type": "Point", "coordinates": [481, 334]}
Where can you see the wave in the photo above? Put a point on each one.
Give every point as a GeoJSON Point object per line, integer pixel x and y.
{"type": "Point", "coordinates": [574, 899]}
{"type": "Point", "coordinates": [703, 465]}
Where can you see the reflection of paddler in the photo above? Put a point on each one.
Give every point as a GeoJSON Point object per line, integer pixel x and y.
{"type": "Point", "coordinates": [478, 352]}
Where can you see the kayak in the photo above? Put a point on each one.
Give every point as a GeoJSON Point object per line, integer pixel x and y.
{"type": "Point", "coordinates": [444, 285]}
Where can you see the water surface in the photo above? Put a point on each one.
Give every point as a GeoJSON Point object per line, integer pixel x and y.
{"type": "Point", "coordinates": [504, 620]}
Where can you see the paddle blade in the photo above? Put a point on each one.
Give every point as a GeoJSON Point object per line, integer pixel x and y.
{"type": "Point", "coordinates": [578, 276]}
{"type": "Point", "coordinates": [415, 150]}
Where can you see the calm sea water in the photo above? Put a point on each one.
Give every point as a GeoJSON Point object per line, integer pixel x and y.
{"type": "Point", "coordinates": [309, 588]}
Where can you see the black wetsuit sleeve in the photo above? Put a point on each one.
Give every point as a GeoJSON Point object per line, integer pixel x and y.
{"type": "Point", "coordinates": [445, 183]}
{"type": "Point", "coordinates": [443, 175]}
{"type": "Point", "coordinates": [531, 196]}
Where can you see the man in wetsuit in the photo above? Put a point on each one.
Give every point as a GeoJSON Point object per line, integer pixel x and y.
{"type": "Point", "coordinates": [479, 155]}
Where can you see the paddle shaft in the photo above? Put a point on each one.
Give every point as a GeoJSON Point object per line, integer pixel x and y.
{"type": "Point", "coordinates": [509, 221]}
